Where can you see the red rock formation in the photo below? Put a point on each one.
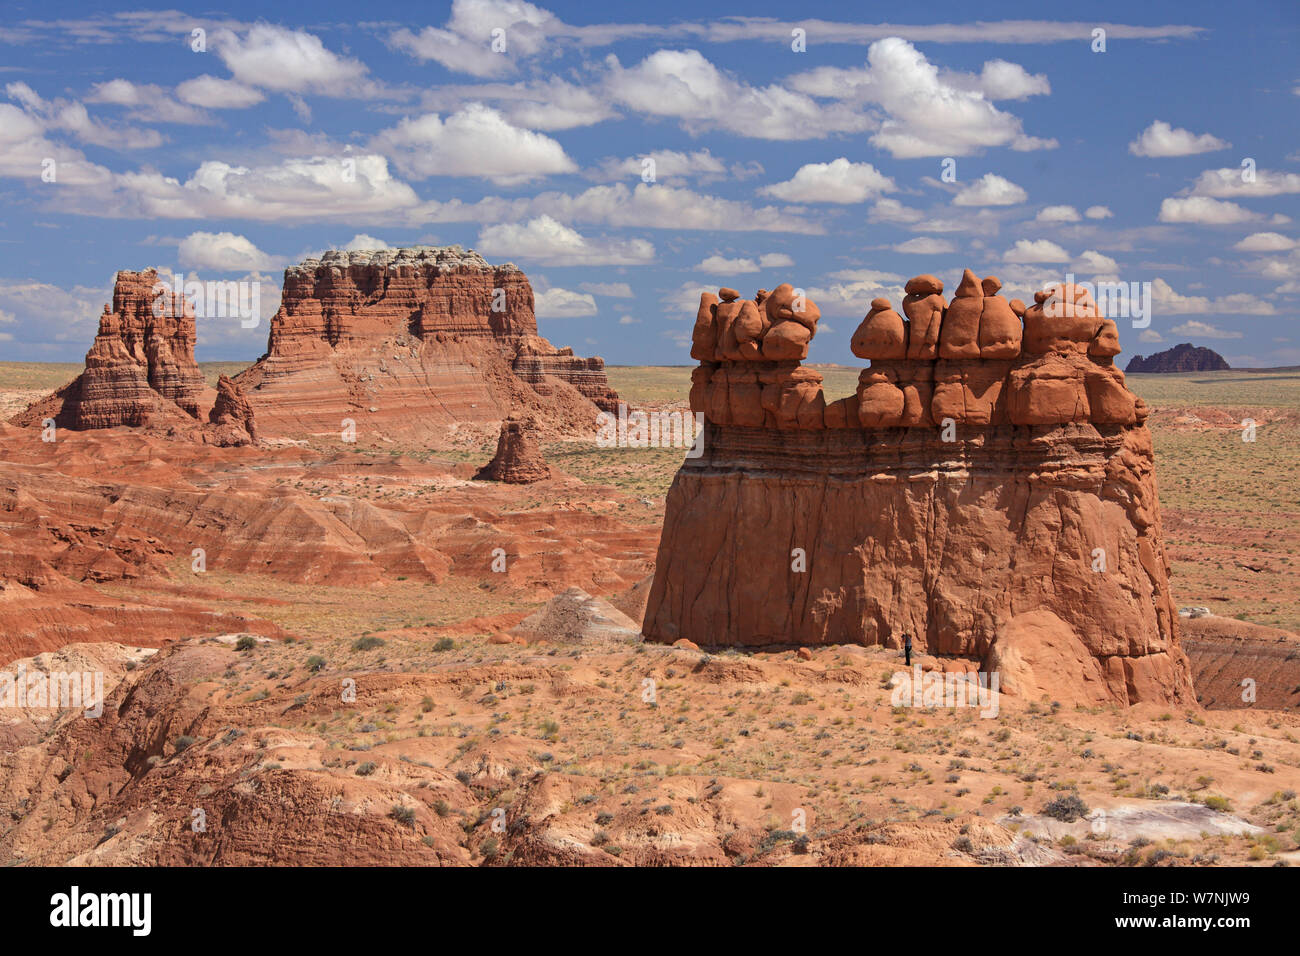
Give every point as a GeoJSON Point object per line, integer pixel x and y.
{"type": "Point", "coordinates": [923, 305]}
{"type": "Point", "coordinates": [750, 352]}
{"type": "Point", "coordinates": [233, 414]}
{"type": "Point", "coordinates": [992, 493]}
{"type": "Point", "coordinates": [537, 361]}
{"type": "Point", "coordinates": [94, 509]}
{"type": "Point", "coordinates": [141, 369]}
{"type": "Point", "coordinates": [518, 460]}
{"type": "Point", "coordinates": [358, 297]}
{"type": "Point", "coordinates": [410, 343]}
{"type": "Point", "coordinates": [959, 335]}
{"type": "Point", "coordinates": [1239, 664]}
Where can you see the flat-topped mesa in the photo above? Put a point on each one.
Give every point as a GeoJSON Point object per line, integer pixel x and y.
{"type": "Point", "coordinates": [1180, 358]}
{"type": "Point", "coordinates": [140, 369]}
{"type": "Point", "coordinates": [989, 489]}
{"type": "Point", "coordinates": [347, 297]}
{"type": "Point", "coordinates": [412, 341]}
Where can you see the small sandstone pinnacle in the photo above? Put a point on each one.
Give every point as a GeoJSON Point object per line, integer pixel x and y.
{"type": "Point", "coordinates": [518, 460]}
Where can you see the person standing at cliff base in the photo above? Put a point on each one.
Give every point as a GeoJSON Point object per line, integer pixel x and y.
{"type": "Point", "coordinates": [907, 649]}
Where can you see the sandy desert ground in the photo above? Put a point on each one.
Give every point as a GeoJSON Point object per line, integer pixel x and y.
{"type": "Point", "coordinates": [481, 735]}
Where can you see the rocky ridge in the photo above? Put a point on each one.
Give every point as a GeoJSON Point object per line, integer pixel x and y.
{"type": "Point", "coordinates": [392, 344]}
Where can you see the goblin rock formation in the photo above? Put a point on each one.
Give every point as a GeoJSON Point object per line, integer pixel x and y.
{"type": "Point", "coordinates": [518, 460]}
{"type": "Point", "coordinates": [989, 489]}
{"type": "Point", "coordinates": [1180, 358]}
{"type": "Point", "coordinates": [141, 369]}
{"type": "Point", "coordinates": [410, 343]}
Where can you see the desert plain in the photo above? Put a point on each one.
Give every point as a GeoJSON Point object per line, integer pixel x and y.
{"type": "Point", "coordinates": [324, 692]}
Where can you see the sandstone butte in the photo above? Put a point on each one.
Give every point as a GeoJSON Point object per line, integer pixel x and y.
{"type": "Point", "coordinates": [990, 489]}
{"type": "Point", "coordinates": [410, 343]}
{"type": "Point", "coordinates": [404, 343]}
{"type": "Point", "coordinates": [141, 372]}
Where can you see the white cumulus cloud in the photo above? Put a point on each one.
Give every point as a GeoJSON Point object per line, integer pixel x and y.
{"type": "Point", "coordinates": [1266, 242]}
{"type": "Point", "coordinates": [926, 245]}
{"type": "Point", "coordinates": [721, 266]}
{"type": "Point", "coordinates": [1166, 301]}
{"type": "Point", "coordinates": [477, 141]}
{"type": "Point", "coordinates": [215, 93]}
{"type": "Point", "coordinates": [1205, 211]}
{"type": "Point", "coordinates": [1057, 214]}
{"type": "Point", "coordinates": [290, 61]}
{"type": "Point", "coordinates": [838, 181]}
{"type": "Point", "coordinates": [683, 84]}
{"type": "Point", "coordinates": [1203, 330]}
{"type": "Point", "coordinates": [465, 45]}
{"type": "Point", "coordinates": [549, 242]}
{"type": "Point", "coordinates": [1245, 183]}
{"type": "Point", "coordinates": [222, 252]}
{"type": "Point", "coordinates": [990, 190]}
{"type": "Point", "coordinates": [362, 241]}
{"type": "Point", "coordinates": [1092, 262]}
{"type": "Point", "coordinates": [929, 112]}
{"type": "Point", "coordinates": [556, 303]}
{"type": "Point", "coordinates": [1035, 250]}
{"type": "Point", "coordinates": [1161, 139]}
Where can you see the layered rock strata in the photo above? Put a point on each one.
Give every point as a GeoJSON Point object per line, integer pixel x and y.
{"type": "Point", "coordinates": [140, 369]}
{"type": "Point", "coordinates": [408, 342]}
{"type": "Point", "coordinates": [990, 489]}
{"type": "Point", "coordinates": [391, 344]}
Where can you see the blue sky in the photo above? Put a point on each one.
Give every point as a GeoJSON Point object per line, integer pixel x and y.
{"type": "Point", "coordinates": [297, 129]}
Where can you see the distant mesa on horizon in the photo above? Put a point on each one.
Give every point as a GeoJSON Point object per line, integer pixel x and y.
{"type": "Point", "coordinates": [1181, 358]}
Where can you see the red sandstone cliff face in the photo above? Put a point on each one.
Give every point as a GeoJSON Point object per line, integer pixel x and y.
{"type": "Point", "coordinates": [141, 368]}
{"type": "Point", "coordinates": [990, 489]}
{"type": "Point", "coordinates": [349, 297]}
{"type": "Point", "coordinates": [411, 342]}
